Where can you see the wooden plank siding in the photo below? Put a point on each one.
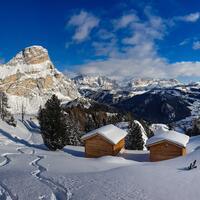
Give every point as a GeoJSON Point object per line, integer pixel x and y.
{"type": "Point", "coordinates": [98, 146]}
{"type": "Point", "coordinates": [165, 150]}
{"type": "Point", "coordinates": [117, 148]}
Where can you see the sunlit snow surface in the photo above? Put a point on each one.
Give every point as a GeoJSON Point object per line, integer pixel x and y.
{"type": "Point", "coordinates": [29, 171]}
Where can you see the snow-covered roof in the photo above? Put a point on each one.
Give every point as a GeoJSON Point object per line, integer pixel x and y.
{"type": "Point", "coordinates": [110, 132]}
{"type": "Point", "coordinates": [171, 136]}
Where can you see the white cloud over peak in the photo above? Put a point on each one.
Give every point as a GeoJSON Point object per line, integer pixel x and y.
{"type": "Point", "coordinates": [83, 22]}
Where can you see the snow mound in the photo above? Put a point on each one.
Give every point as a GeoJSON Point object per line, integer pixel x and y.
{"type": "Point", "coordinates": [114, 160]}
{"type": "Point", "coordinates": [171, 136]}
{"type": "Point", "coordinates": [159, 128]}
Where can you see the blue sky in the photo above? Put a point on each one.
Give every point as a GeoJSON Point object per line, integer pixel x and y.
{"type": "Point", "coordinates": [116, 38]}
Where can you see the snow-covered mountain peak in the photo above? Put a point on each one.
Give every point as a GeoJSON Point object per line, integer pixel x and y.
{"type": "Point", "coordinates": [30, 78]}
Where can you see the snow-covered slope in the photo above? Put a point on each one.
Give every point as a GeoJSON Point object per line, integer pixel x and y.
{"type": "Point", "coordinates": [30, 78]}
{"type": "Point", "coordinates": [29, 171]}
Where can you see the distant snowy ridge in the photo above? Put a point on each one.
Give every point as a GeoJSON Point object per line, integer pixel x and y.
{"type": "Point", "coordinates": [147, 84]}
{"type": "Point", "coordinates": [30, 78]}
{"type": "Point", "coordinates": [95, 82]}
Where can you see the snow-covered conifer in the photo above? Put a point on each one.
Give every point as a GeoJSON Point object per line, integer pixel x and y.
{"type": "Point", "coordinates": [134, 140]}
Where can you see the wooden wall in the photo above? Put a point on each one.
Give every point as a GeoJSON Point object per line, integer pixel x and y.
{"type": "Point", "coordinates": [165, 150]}
{"type": "Point", "coordinates": [117, 148]}
{"type": "Point", "coordinates": [98, 146]}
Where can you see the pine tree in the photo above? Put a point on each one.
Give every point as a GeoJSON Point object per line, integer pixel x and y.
{"type": "Point", "coordinates": [134, 140]}
{"type": "Point", "coordinates": [53, 124]}
{"type": "Point", "coordinates": [3, 105]}
{"type": "Point", "coordinates": [73, 134]}
{"type": "Point", "coordinates": [89, 124]}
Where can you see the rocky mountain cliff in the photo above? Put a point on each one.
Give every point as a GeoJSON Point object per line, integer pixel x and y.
{"type": "Point", "coordinates": [30, 78]}
{"type": "Point", "coordinates": [95, 82]}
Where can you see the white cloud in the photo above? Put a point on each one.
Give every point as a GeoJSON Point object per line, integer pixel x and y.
{"type": "Point", "coordinates": [83, 22]}
{"type": "Point", "coordinates": [105, 48]}
{"type": "Point", "coordinates": [137, 56]}
{"type": "Point", "coordinates": [105, 35]}
{"type": "Point", "coordinates": [125, 20]}
{"type": "Point", "coordinates": [196, 45]}
{"type": "Point", "coordinates": [184, 42]}
{"type": "Point", "coordinates": [188, 69]}
{"type": "Point", "coordinates": [70, 74]}
{"type": "Point", "coordinates": [192, 17]}
{"type": "Point", "coordinates": [149, 67]}
{"type": "Point", "coordinates": [138, 59]}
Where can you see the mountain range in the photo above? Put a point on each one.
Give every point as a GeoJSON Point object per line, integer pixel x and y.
{"type": "Point", "coordinates": [30, 78]}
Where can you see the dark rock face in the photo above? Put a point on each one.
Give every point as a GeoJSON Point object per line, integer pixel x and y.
{"type": "Point", "coordinates": [155, 106]}
{"type": "Point", "coordinates": [158, 107]}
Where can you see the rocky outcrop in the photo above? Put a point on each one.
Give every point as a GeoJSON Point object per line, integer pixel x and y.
{"type": "Point", "coordinates": [95, 82]}
{"type": "Point", "coordinates": [30, 56]}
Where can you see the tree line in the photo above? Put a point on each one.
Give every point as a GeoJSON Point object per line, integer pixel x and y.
{"type": "Point", "coordinates": [61, 127]}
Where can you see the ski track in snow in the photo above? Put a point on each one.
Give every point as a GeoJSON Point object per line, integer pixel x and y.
{"type": "Point", "coordinates": [6, 160]}
{"type": "Point", "coordinates": [59, 192]}
{"type": "Point", "coordinates": [107, 186]}
{"type": "Point", "coordinates": [6, 194]}
{"type": "Point", "coordinates": [23, 150]}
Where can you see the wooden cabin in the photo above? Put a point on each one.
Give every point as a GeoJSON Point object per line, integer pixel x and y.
{"type": "Point", "coordinates": [167, 145]}
{"type": "Point", "coordinates": [104, 141]}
